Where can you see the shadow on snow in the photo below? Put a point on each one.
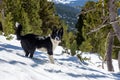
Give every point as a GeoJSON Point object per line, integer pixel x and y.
{"type": "Point", "coordinates": [41, 59]}
{"type": "Point", "coordinates": [38, 58]}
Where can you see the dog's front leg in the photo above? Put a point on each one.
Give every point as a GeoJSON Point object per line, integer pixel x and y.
{"type": "Point", "coordinates": [51, 58]}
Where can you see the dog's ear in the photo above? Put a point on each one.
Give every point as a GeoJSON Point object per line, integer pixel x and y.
{"type": "Point", "coordinates": [61, 31]}
{"type": "Point", "coordinates": [54, 30]}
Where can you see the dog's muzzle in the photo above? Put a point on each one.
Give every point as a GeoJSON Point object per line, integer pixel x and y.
{"type": "Point", "coordinates": [57, 38]}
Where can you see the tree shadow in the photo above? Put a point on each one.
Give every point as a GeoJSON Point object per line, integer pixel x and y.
{"type": "Point", "coordinates": [71, 59]}
{"type": "Point", "coordinates": [13, 62]}
{"type": "Point", "coordinates": [117, 76]}
{"type": "Point", "coordinates": [16, 62]}
{"type": "Point", "coordinates": [38, 61]}
{"type": "Point", "coordinates": [89, 76]}
{"type": "Point", "coordinates": [3, 61]}
{"type": "Point", "coordinates": [20, 54]}
{"type": "Point", "coordinates": [39, 58]}
{"type": "Point", "coordinates": [55, 71]}
{"type": "Point", "coordinates": [9, 48]}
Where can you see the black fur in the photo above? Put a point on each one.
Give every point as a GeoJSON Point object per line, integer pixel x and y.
{"type": "Point", "coordinates": [30, 42]}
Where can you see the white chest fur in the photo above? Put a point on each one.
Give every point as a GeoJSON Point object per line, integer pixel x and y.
{"type": "Point", "coordinates": [55, 43]}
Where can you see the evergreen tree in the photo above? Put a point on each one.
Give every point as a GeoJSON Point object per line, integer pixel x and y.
{"type": "Point", "coordinates": [17, 12]}
{"type": "Point", "coordinates": [36, 16]}
{"type": "Point", "coordinates": [48, 15]}
{"type": "Point", "coordinates": [79, 27]}
{"type": "Point", "coordinates": [73, 47]}
{"type": "Point", "coordinates": [31, 8]}
{"type": "Point", "coordinates": [8, 25]}
{"type": "Point", "coordinates": [93, 18]}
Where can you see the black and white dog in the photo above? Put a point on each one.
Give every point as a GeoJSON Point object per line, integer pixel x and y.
{"type": "Point", "coordinates": [31, 42]}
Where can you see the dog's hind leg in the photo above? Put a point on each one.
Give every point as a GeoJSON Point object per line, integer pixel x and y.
{"type": "Point", "coordinates": [31, 55]}
{"type": "Point", "coordinates": [26, 53]}
{"type": "Point", "coordinates": [32, 52]}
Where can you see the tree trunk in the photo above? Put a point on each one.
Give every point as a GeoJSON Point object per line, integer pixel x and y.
{"type": "Point", "coordinates": [119, 60]}
{"type": "Point", "coordinates": [113, 16]}
{"type": "Point", "coordinates": [109, 51]}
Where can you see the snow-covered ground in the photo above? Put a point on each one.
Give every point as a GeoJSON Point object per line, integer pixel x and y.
{"type": "Point", "coordinates": [14, 66]}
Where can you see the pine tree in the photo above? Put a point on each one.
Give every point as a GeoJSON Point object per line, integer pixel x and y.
{"type": "Point", "coordinates": [87, 21]}
{"type": "Point", "coordinates": [48, 15]}
{"type": "Point", "coordinates": [93, 18]}
{"type": "Point", "coordinates": [79, 27]}
{"type": "Point", "coordinates": [31, 8]}
{"type": "Point", "coordinates": [8, 25]}
{"type": "Point", "coordinates": [26, 13]}
{"type": "Point", "coordinates": [36, 16]}
{"type": "Point", "coordinates": [24, 20]}
{"type": "Point", "coordinates": [73, 47]}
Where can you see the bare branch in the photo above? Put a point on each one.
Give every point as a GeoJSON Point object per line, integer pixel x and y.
{"type": "Point", "coordinates": [102, 26]}
{"type": "Point", "coordinates": [116, 46]}
{"type": "Point", "coordinates": [87, 11]}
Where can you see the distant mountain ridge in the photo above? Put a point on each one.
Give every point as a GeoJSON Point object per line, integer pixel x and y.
{"type": "Point", "coordinates": [73, 2]}
{"type": "Point", "coordinates": [68, 10]}
{"type": "Point", "coordinates": [68, 14]}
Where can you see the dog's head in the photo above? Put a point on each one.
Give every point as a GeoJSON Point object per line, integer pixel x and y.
{"type": "Point", "coordinates": [57, 34]}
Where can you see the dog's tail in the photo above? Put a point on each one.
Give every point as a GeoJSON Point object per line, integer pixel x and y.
{"type": "Point", "coordinates": [18, 30]}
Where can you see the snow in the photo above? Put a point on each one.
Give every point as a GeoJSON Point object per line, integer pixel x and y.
{"type": "Point", "coordinates": [71, 2]}
{"type": "Point", "coordinates": [14, 66]}
{"type": "Point", "coordinates": [63, 1]}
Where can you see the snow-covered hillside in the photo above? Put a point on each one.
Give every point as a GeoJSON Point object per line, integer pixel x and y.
{"type": "Point", "coordinates": [72, 2]}
{"type": "Point", "coordinates": [63, 1]}
{"type": "Point", "coordinates": [14, 66]}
